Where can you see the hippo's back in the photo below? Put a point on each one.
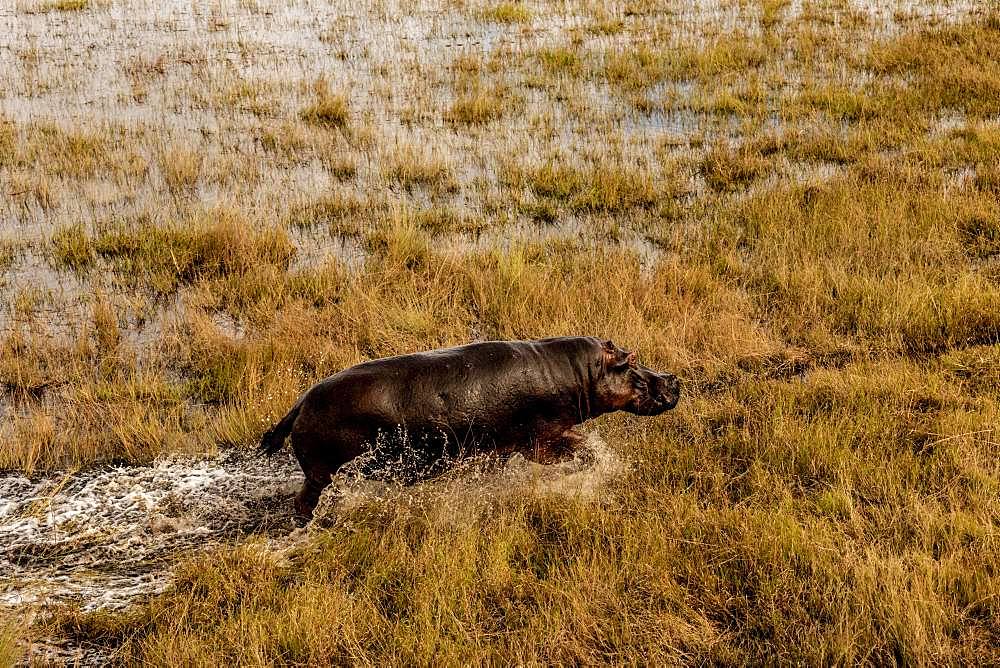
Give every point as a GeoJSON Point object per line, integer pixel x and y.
{"type": "Point", "coordinates": [492, 384]}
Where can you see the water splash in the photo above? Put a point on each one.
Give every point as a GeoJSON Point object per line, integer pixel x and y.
{"type": "Point", "coordinates": [102, 538]}
{"type": "Point", "coordinates": [471, 483]}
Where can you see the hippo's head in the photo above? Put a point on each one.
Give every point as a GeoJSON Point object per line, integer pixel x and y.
{"type": "Point", "coordinates": [626, 385]}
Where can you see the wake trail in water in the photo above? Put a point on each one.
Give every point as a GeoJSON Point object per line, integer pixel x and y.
{"type": "Point", "coordinates": [101, 538]}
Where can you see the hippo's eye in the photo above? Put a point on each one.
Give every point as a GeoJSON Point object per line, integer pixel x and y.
{"type": "Point", "coordinates": [620, 365]}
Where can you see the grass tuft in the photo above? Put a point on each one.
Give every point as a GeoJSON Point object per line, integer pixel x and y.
{"type": "Point", "coordinates": [181, 168]}
{"type": "Point", "coordinates": [11, 649]}
{"type": "Point", "coordinates": [634, 70]}
{"type": "Point", "coordinates": [418, 167]}
{"type": "Point", "coordinates": [479, 105]}
{"type": "Point", "coordinates": [214, 244]}
{"type": "Point", "coordinates": [728, 169]}
{"type": "Point", "coordinates": [72, 248]}
{"type": "Point", "coordinates": [507, 12]}
{"type": "Point", "coordinates": [599, 188]}
{"type": "Point", "coordinates": [563, 61]}
{"type": "Point", "coordinates": [64, 5]}
{"type": "Point", "coordinates": [8, 254]}
{"type": "Point", "coordinates": [327, 109]}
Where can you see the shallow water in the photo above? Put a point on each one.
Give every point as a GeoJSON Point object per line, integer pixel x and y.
{"type": "Point", "coordinates": [103, 538]}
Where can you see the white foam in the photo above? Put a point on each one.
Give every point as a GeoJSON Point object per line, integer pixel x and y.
{"type": "Point", "coordinates": [471, 484]}
{"type": "Point", "coordinates": [103, 537]}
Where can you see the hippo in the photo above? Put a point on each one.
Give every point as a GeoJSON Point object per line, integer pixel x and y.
{"type": "Point", "coordinates": [494, 397]}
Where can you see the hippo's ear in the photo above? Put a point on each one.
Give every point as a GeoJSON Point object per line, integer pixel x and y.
{"type": "Point", "coordinates": [616, 358]}
{"type": "Point", "coordinates": [633, 360]}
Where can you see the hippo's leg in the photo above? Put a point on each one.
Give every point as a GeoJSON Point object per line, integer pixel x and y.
{"type": "Point", "coordinates": [559, 448]}
{"type": "Point", "coordinates": [320, 459]}
{"type": "Point", "coordinates": [309, 495]}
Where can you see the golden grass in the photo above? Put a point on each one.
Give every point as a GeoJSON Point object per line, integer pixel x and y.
{"type": "Point", "coordinates": [63, 5]}
{"type": "Point", "coordinates": [249, 96]}
{"type": "Point", "coordinates": [630, 70]}
{"type": "Point", "coordinates": [181, 168]}
{"type": "Point", "coordinates": [792, 555]}
{"type": "Point", "coordinates": [507, 12]}
{"type": "Point", "coordinates": [11, 647]}
{"type": "Point", "coordinates": [800, 221]}
{"type": "Point", "coordinates": [414, 166]}
{"type": "Point", "coordinates": [561, 61]}
{"type": "Point", "coordinates": [212, 244]}
{"type": "Point", "coordinates": [603, 187]}
{"type": "Point", "coordinates": [76, 153]}
{"type": "Point", "coordinates": [479, 105]}
{"type": "Point", "coordinates": [327, 109]}
{"type": "Point", "coordinates": [954, 67]}
{"type": "Point", "coordinates": [8, 254]}
{"type": "Point", "coordinates": [604, 25]}
{"type": "Point", "coordinates": [108, 410]}
{"type": "Point", "coordinates": [726, 168]}
{"type": "Point", "coordinates": [71, 249]}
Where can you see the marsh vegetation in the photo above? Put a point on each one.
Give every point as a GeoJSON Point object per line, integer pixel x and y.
{"type": "Point", "coordinates": [791, 205]}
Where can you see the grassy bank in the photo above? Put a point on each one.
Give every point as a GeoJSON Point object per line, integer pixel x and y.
{"type": "Point", "coordinates": [794, 209]}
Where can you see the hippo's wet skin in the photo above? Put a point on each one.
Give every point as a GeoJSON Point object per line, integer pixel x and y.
{"type": "Point", "coordinates": [499, 396]}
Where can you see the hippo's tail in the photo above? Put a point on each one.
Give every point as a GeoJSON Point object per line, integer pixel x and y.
{"type": "Point", "coordinates": [274, 438]}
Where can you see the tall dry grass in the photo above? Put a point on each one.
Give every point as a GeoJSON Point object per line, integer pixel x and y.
{"type": "Point", "coordinates": [798, 216]}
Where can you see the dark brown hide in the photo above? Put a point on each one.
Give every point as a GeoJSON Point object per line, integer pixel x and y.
{"type": "Point", "coordinates": [498, 396]}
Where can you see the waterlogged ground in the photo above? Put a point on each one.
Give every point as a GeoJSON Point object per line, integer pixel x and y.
{"type": "Point", "coordinates": [205, 207]}
{"type": "Point", "coordinates": [102, 537]}
{"type": "Point", "coordinates": [205, 95]}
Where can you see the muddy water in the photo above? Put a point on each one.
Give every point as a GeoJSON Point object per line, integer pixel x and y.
{"type": "Point", "coordinates": [102, 538]}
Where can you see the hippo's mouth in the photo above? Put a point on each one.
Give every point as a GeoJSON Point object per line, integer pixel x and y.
{"type": "Point", "coordinates": [656, 405]}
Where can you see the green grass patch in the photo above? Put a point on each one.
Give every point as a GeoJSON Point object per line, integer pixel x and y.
{"type": "Point", "coordinates": [212, 245]}
{"type": "Point", "coordinates": [507, 12]}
